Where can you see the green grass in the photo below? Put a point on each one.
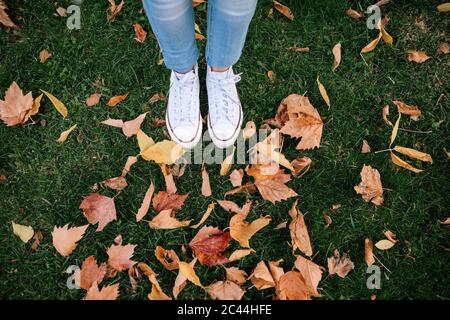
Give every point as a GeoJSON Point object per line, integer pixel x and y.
{"type": "Point", "coordinates": [46, 181]}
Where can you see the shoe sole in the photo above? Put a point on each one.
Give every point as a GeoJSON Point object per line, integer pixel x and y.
{"type": "Point", "coordinates": [186, 145]}
{"type": "Point", "coordinates": [223, 144]}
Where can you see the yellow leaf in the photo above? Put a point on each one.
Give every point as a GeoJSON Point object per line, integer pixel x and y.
{"type": "Point", "coordinates": [188, 271]}
{"type": "Point", "coordinates": [239, 254]}
{"type": "Point", "coordinates": [36, 105]}
{"type": "Point", "coordinates": [372, 45]}
{"type": "Point", "coordinates": [205, 215]}
{"type": "Point", "coordinates": [445, 7]}
{"type": "Point", "coordinates": [384, 244]}
{"type": "Point", "coordinates": [57, 104]}
{"type": "Point", "coordinates": [401, 163]}
{"type": "Point", "coordinates": [395, 130]}
{"type": "Point", "coordinates": [226, 164]}
{"type": "Point", "coordinates": [386, 36]}
{"type": "Point", "coordinates": [65, 134]}
{"type": "Point", "coordinates": [249, 130]}
{"type": "Point", "coordinates": [164, 152]}
{"type": "Point", "coordinates": [412, 153]}
{"type": "Point", "coordinates": [323, 92]}
{"type": "Point", "coordinates": [144, 141]}
{"type": "Point", "coordinates": [25, 233]}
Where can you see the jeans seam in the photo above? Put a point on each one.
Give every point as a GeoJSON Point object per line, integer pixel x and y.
{"type": "Point", "coordinates": [210, 22]}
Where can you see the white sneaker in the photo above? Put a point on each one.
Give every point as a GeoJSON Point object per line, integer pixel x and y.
{"type": "Point", "coordinates": [183, 118]}
{"type": "Point", "coordinates": [225, 111]}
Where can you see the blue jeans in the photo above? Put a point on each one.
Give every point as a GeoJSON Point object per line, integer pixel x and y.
{"type": "Point", "coordinates": [172, 22]}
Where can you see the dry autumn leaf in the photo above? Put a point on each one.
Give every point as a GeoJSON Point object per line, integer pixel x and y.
{"type": "Point", "coordinates": [65, 239]}
{"type": "Point", "coordinates": [119, 257]}
{"type": "Point", "coordinates": [90, 273]}
{"type": "Point", "coordinates": [249, 130]}
{"type": "Point", "coordinates": [16, 107]}
{"type": "Point", "coordinates": [365, 147]}
{"type": "Point", "coordinates": [236, 275]}
{"type": "Point", "coordinates": [299, 232]}
{"type": "Point", "coordinates": [417, 56]}
{"type": "Point", "coordinates": [261, 277]}
{"type": "Point", "coordinates": [412, 111]}
{"type": "Point", "coordinates": [205, 216]}
{"type": "Point", "coordinates": [323, 93]}
{"type": "Point", "coordinates": [187, 269]}
{"type": "Point", "coordinates": [339, 265]}
{"type": "Point", "coordinates": [292, 286]}
{"type": "Point", "coordinates": [445, 221]}
{"type": "Point", "coordinates": [164, 152]}
{"type": "Point", "coordinates": [206, 187]}
{"type": "Point", "coordinates": [386, 115]}
{"type": "Point", "coordinates": [131, 160]}
{"type": "Point", "coordinates": [129, 128]}
{"type": "Point", "coordinates": [180, 281]}
{"type": "Point", "coordinates": [370, 187]}
{"type": "Point", "coordinates": [225, 290]}
{"type": "Point", "coordinates": [415, 154]}
{"type": "Point", "coordinates": [110, 292]}
{"type": "Point", "coordinates": [301, 165]}
{"type": "Point", "coordinates": [143, 209]}
{"type": "Point", "coordinates": [227, 163]}
{"type": "Point", "coordinates": [113, 10]}
{"type": "Point", "coordinates": [65, 134]}
{"type": "Point", "coordinates": [44, 55]}
{"type": "Point", "coordinates": [401, 163]}
{"type": "Point", "coordinates": [242, 231]}
{"type": "Point", "coordinates": [168, 179]}
{"type": "Point", "coordinates": [59, 106]}
{"type": "Point", "coordinates": [354, 14]}
{"type": "Point", "coordinates": [239, 254]}
{"type": "Point", "coordinates": [4, 18]}
{"type": "Point", "coordinates": [236, 177]}
{"type": "Point", "coordinates": [25, 233]}
{"type": "Point", "coordinates": [390, 236]}
{"type": "Point", "coordinates": [337, 56]}
{"type": "Point", "coordinates": [93, 99]}
{"type": "Point", "coordinates": [209, 244]}
{"type": "Point", "coordinates": [283, 10]}
{"type": "Point", "coordinates": [113, 101]}
{"type": "Point", "coordinates": [157, 292]}
{"type": "Point", "coordinates": [166, 220]}
{"type": "Point", "coordinates": [98, 209]}
{"type": "Point", "coordinates": [164, 201]}
{"type": "Point", "coordinates": [444, 7]}
{"type": "Point", "coordinates": [384, 244]}
{"type": "Point", "coordinates": [395, 130]}
{"type": "Point", "coordinates": [300, 119]}
{"type": "Point", "coordinates": [140, 33]}
{"type": "Point", "coordinates": [311, 273]}
{"type": "Point", "coordinates": [168, 258]}
{"type": "Point", "coordinates": [368, 252]}
{"type": "Point", "coordinates": [300, 50]}
{"type": "Point", "coordinates": [443, 48]}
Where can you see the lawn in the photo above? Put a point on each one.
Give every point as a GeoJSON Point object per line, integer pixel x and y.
{"type": "Point", "coordinates": [46, 181]}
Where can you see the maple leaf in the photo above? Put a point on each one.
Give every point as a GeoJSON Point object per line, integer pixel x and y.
{"type": "Point", "coordinates": [339, 265]}
{"type": "Point", "coordinates": [180, 281]}
{"type": "Point", "coordinates": [239, 254]}
{"type": "Point", "coordinates": [208, 245]}
{"type": "Point", "coordinates": [225, 290]}
{"type": "Point", "coordinates": [242, 231]}
{"type": "Point", "coordinates": [166, 220]}
{"type": "Point", "coordinates": [106, 293]}
{"type": "Point", "coordinates": [261, 277]}
{"type": "Point", "coordinates": [270, 181]}
{"type": "Point", "coordinates": [292, 286]}
{"type": "Point", "coordinates": [165, 201]}
{"type": "Point", "coordinates": [168, 258]}
{"type": "Point", "coordinates": [275, 270]}
{"type": "Point", "coordinates": [370, 186]}
{"type": "Point", "coordinates": [116, 183]}
{"type": "Point", "coordinates": [157, 292]}
{"type": "Point", "coordinates": [120, 256]}
{"type": "Point", "coordinates": [299, 232]}
{"type": "Point", "coordinates": [163, 152]}
{"type": "Point", "coordinates": [231, 206]}
{"type": "Point", "coordinates": [98, 209]}
{"type": "Point", "coordinates": [301, 165]}
{"type": "Point", "coordinates": [16, 107]}
{"type": "Point", "coordinates": [65, 239]}
{"type": "Point", "coordinates": [90, 273]}
{"type": "Point", "coordinates": [187, 269]}
{"type": "Point", "coordinates": [266, 151]}
{"type": "Point", "coordinates": [236, 275]}
{"type": "Point", "coordinates": [311, 273]}
{"type": "Point", "coordinates": [303, 121]}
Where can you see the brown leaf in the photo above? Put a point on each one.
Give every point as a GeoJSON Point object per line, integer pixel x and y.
{"type": "Point", "coordinates": [181, 279]}
{"type": "Point", "coordinates": [143, 209]}
{"type": "Point", "coordinates": [249, 187]}
{"type": "Point", "coordinates": [370, 186]}
{"type": "Point", "coordinates": [354, 14]}
{"type": "Point", "coordinates": [368, 252]}
{"type": "Point", "coordinates": [130, 161]}
{"type": "Point", "coordinates": [98, 209]}
{"type": "Point", "coordinates": [417, 56]}
{"type": "Point", "coordinates": [412, 111]}
{"type": "Point", "coordinates": [300, 50]}
{"type": "Point", "coordinates": [327, 219]}
{"type": "Point", "coordinates": [157, 97]}
{"type": "Point", "coordinates": [386, 115]}
{"type": "Point", "coordinates": [225, 290]}
{"type": "Point", "coordinates": [113, 101]}
{"type": "Point", "coordinates": [270, 181]}
{"type": "Point", "coordinates": [37, 237]}
{"type": "Point", "coordinates": [445, 221]}
{"type": "Point", "coordinates": [444, 7]}
{"type": "Point", "coordinates": [401, 163]}
{"type": "Point", "coordinates": [301, 165]}
{"type": "Point", "coordinates": [168, 178]}
{"type": "Point", "coordinates": [141, 34]}
{"type": "Point", "coordinates": [303, 121]}
{"type": "Point", "coordinates": [164, 201]}
{"type": "Point", "coordinates": [113, 10]}
{"type": "Point", "coordinates": [44, 55]}
{"type": "Point", "coordinates": [65, 239]}
{"type": "Point", "coordinates": [390, 236]}
{"type": "Point", "coordinates": [4, 18]}
{"type": "Point", "coordinates": [340, 265]}
{"type": "Point", "coordinates": [120, 256]}
{"type": "Point", "coordinates": [365, 147]}
{"type": "Point", "coordinates": [337, 56]}
{"type": "Point", "coordinates": [443, 48]}
{"type": "Point", "coordinates": [208, 245]}
{"type": "Point", "coordinates": [236, 177]}
{"type": "Point", "coordinates": [16, 107]}
{"type": "Point", "coordinates": [284, 10]}
{"type": "Point", "coordinates": [166, 220]}
{"type": "Point", "coordinates": [292, 286]}
{"type": "Point", "coordinates": [299, 232]}
{"type": "Point", "coordinates": [157, 292]}
{"type": "Point", "coordinates": [231, 206]}
{"type": "Point", "coordinates": [65, 134]}
{"type": "Point", "coordinates": [90, 273]}
{"type": "Point", "coordinates": [93, 99]}
{"type": "Point", "coordinates": [236, 275]}
{"type": "Point", "coordinates": [168, 258]}
{"type": "Point", "coordinates": [206, 187]}
{"type": "Point", "coordinates": [110, 292]}
{"type": "Point", "coordinates": [116, 183]}
{"type": "Point", "coordinates": [242, 231]}
{"type": "Point", "coordinates": [205, 216]}
{"type": "Point", "coordinates": [261, 277]}
{"type": "Point", "coordinates": [311, 273]}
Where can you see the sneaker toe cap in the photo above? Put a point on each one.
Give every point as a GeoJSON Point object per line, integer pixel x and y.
{"type": "Point", "coordinates": [185, 133]}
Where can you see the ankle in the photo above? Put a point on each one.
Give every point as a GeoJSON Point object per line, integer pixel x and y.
{"type": "Point", "coordinates": [217, 69]}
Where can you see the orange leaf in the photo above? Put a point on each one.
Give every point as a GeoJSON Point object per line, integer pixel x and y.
{"type": "Point", "coordinates": [143, 209]}
{"type": "Point", "coordinates": [91, 273]}
{"type": "Point", "coordinates": [292, 286]}
{"type": "Point", "coordinates": [261, 277]}
{"type": "Point", "coordinates": [370, 186]}
{"type": "Point", "coordinates": [113, 10]}
{"type": "Point", "coordinates": [236, 177]}
{"type": "Point", "coordinates": [243, 231]}
{"type": "Point", "coordinates": [311, 273]}
{"type": "Point", "coordinates": [113, 101]}
{"type": "Point", "coordinates": [337, 56]}
{"type": "Point", "coordinates": [168, 178]}
{"type": "Point", "coordinates": [120, 256]}
{"type": "Point", "coordinates": [299, 232]}
{"type": "Point", "coordinates": [166, 220]}
{"type": "Point", "coordinates": [340, 265]}
{"type": "Point", "coordinates": [141, 34]}
{"type": "Point", "coordinates": [401, 163]}
{"type": "Point", "coordinates": [16, 107]}
{"type": "Point", "coordinates": [116, 183]}
{"type": "Point", "coordinates": [44, 55]}
{"type": "Point", "coordinates": [354, 14]}
{"type": "Point", "coordinates": [372, 45]}
{"type": "Point", "coordinates": [368, 252]}
{"type": "Point", "coordinates": [206, 187]}
{"type": "Point", "coordinates": [412, 153]}
{"type": "Point", "coordinates": [65, 239]}
{"type": "Point", "coordinates": [168, 258]}
{"type": "Point", "coordinates": [284, 10]}
{"type": "Point", "coordinates": [98, 209]}
{"type": "Point", "coordinates": [236, 275]}
{"type": "Point", "coordinates": [225, 290]}
{"type": "Point", "coordinates": [110, 292]}
{"type": "Point", "coordinates": [164, 201]}
{"type": "Point", "coordinates": [412, 111]}
{"type": "Point", "coordinates": [205, 216]}
{"type": "Point", "coordinates": [417, 56]}
{"type": "Point", "coordinates": [65, 134]}
{"type": "Point", "coordinates": [93, 99]}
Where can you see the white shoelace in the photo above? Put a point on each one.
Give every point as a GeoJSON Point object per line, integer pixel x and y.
{"type": "Point", "coordinates": [228, 104]}
{"type": "Point", "coordinates": [182, 90]}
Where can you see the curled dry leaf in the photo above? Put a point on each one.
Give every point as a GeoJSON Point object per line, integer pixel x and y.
{"type": "Point", "coordinates": [337, 56]}
{"type": "Point", "coordinates": [261, 277]}
{"type": "Point", "coordinates": [401, 163]}
{"type": "Point", "coordinates": [144, 141]}
{"type": "Point", "coordinates": [90, 273]}
{"type": "Point", "coordinates": [417, 56]}
{"type": "Point", "coordinates": [113, 10]}
{"type": "Point", "coordinates": [177, 170]}
{"type": "Point", "coordinates": [130, 161]}
{"type": "Point", "coordinates": [390, 236]}
{"type": "Point", "coordinates": [205, 216]}
{"type": "Point", "coordinates": [236, 275]}
{"type": "Point", "coordinates": [166, 220]}
{"type": "Point", "coordinates": [181, 279]}
{"type": "Point", "coordinates": [301, 165]}
{"type": "Point", "coordinates": [354, 14]}
{"type": "Point", "coordinates": [340, 265]}
{"type": "Point", "coordinates": [156, 293]}
{"type": "Point", "coordinates": [395, 130]}
{"type": "Point", "coordinates": [16, 107]}
{"type": "Point", "coordinates": [384, 244]}
{"type": "Point", "coordinates": [209, 244]}
{"type": "Point", "coordinates": [163, 152]}
{"type": "Point", "coordinates": [365, 147]}
{"type": "Point", "coordinates": [110, 292]}
{"type": "Point", "coordinates": [65, 239]}
{"type": "Point", "coordinates": [299, 232]}
{"type": "Point", "coordinates": [372, 45]}
{"type": "Point", "coordinates": [4, 18]}
{"type": "Point", "coordinates": [143, 209]}
{"type": "Point", "coordinates": [120, 256]}
{"type": "Point", "coordinates": [159, 96]}
{"type": "Point", "coordinates": [44, 55]}
{"type": "Point", "coordinates": [299, 119]}
{"type": "Point", "coordinates": [93, 99]}
{"type": "Point", "coordinates": [236, 177]}
{"type": "Point", "coordinates": [242, 231]}
{"type": "Point", "coordinates": [113, 101]}
{"type": "Point", "coordinates": [276, 270]}
{"type": "Point", "coordinates": [231, 206]}
{"type": "Point", "coordinates": [227, 163]}
{"type": "Point", "coordinates": [249, 187]}
{"type": "Point", "coordinates": [168, 178]}
{"type": "Point", "coordinates": [283, 10]}
{"type": "Point", "coordinates": [386, 115]}
{"type": "Point", "coordinates": [116, 183]}
{"type": "Point", "coordinates": [164, 201]}
{"type": "Point", "coordinates": [206, 187]}
{"type": "Point", "coordinates": [412, 111]}
{"type": "Point", "coordinates": [368, 252]}
{"type": "Point", "coordinates": [445, 221]}
{"type": "Point", "coordinates": [225, 290]}
{"type": "Point", "coordinates": [327, 219]}
{"type": "Point", "coordinates": [443, 48]}
{"type": "Point", "coordinates": [65, 134]}
{"type": "Point", "coordinates": [140, 33]}
{"type": "Point", "coordinates": [62, 12]}
{"type": "Point", "coordinates": [292, 286]}
{"type": "Point", "coordinates": [59, 106]}
{"type": "Point", "coordinates": [25, 233]}
{"type": "Point", "coordinates": [412, 153]}
{"type": "Point", "coordinates": [311, 273]}
{"type": "Point", "coordinates": [370, 186]}
{"type": "Point", "coordinates": [38, 236]}
{"type": "Point", "coordinates": [323, 93]}
{"type": "Point", "coordinates": [239, 254]}
{"type": "Point", "coordinates": [249, 130]}
{"type": "Point", "coordinates": [98, 209]}
{"type": "Point", "coordinates": [268, 151]}
{"type": "Point", "coordinates": [300, 50]}
{"type": "Point", "coordinates": [444, 7]}
{"type": "Point", "coordinates": [187, 269]}
{"type": "Point", "coordinates": [168, 258]}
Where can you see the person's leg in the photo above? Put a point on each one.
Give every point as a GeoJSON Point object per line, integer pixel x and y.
{"type": "Point", "coordinates": [172, 22]}
{"type": "Point", "coordinates": [228, 22]}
